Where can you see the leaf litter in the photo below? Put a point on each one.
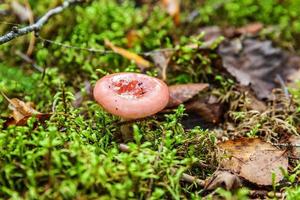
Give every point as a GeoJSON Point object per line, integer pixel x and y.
{"type": "Point", "coordinates": [22, 111]}
{"type": "Point", "coordinates": [257, 63]}
{"type": "Point", "coordinates": [254, 160]}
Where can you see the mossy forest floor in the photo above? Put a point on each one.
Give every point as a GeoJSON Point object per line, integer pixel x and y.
{"type": "Point", "coordinates": [247, 51]}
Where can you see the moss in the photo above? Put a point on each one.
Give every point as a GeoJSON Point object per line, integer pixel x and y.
{"type": "Point", "coordinates": [75, 154]}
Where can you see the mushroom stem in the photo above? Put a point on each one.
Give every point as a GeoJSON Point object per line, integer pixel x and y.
{"type": "Point", "coordinates": [126, 131]}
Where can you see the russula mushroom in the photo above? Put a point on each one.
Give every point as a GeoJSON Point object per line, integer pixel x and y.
{"type": "Point", "coordinates": [131, 95]}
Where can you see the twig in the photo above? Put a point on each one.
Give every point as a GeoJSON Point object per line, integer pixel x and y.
{"type": "Point", "coordinates": [286, 145]}
{"type": "Point", "coordinates": [264, 194]}
{"type": "Point", "coordinates": [184, 177]}
{"type": "Point", "coordinates": [17, 32]}
{"type": "Point", "coordinates": [100, 51]}
{"type": "Point", "coordinates": [30, 61]}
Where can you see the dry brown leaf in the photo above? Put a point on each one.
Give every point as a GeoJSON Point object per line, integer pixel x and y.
{"type": "Point", "coordinates": [223, 179]}
{"type": "Point", "coordinates": [255, 104]}
{"type": "Point", "coordinates": [161, 60]}
{"type": "Point", "coordinates": [208, 108]}
{"type": "Point", "coordinates": [173, 9]}
{"type": "Point", "coordinates": [257, 63]}
{"type": "Point", "coordinates": [254, 160]}
{"type": "Point", "coordinates": [132, 36]}
{"type": "Point", "coordinates": [22, 112]}
{"type": "Point", "coordinates": [184, 92]}
{"type": "Point", "coordinates": [129, 55]}
{"type": "Point", "coordinates": [252, 28]}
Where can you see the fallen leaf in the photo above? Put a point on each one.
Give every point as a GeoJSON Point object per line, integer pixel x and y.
{"type": "Point", "coordinates": [254, 160]}
{"type": "Point", "coordinates": [161, 60]}
{"type": "Point", "coordinates": [22, 112]}
{"type": "Point", "coordinates": [211, 33]}
{"type": "Point", "coordinates": [129, 55]}
{"type": "Point", "coordinates": [256, 64]}
{"type": "Point", "coordinates": [255, 104]}
{"type": "Point", "coordinates": [251, 29]}
{"type": "Point", "coordinates": [132, 36]}
{"type": "Point", "coordinates": [223, 179]}
{"type": "Point", "coordinates": [173, 9]}
{"type": "Point", "coordinates": [184, 92]}
{"type": "Point", "coordinates": [208, 108]}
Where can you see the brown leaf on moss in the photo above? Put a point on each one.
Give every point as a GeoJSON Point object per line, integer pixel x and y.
{"type": "Point", "coordinates": [132, 36]}
{"type": "Point", "coordinates": [257, 63]}
{"type": "Point", "coordinates": [22, 111]}
{"type": "Point", "coordinates": [140, 61]}
{"type": "Point", "coordinates": [184, 92]}
{"type": "Point", "coordinates": [252, 28]}
{"type": "Point", "coordinates": [208, 108]}
{"type": "Point", "coordinates": [161, 60]}
{"type": "Point", "coordinates": [223, 179]}
{"type": "Point", "coordinates": [254, 160]}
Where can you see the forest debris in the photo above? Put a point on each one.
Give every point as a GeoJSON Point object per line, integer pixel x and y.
{"type": "Point", "coordinates": [208, 108]}
{"type": "Point", "coordinates": [223, 179]}
{"type": "Point", "coordinates": [294, 141]}
{"type": "Point", "coordinates": [21, 11]}
{"type": "Point", "coordinates": [173, 9]}
{"type": "Point", "coordinates": [213, 32]}
{"type": "Point", "coordinates": [140, 61]}
{"type": "Point", "coordinates": [254, 160]}
{"type": "Point", "coordinates": [262, 194]}
{"type": "Point", "coordinates": [256, 63]}
{"type": "Point", "coordinates": [132, 36]}
{"type": "Point", "coordinates": [22, 111]}
{"type": "Point", "coordinates": [251, 102]}
{"type": "Point", "coordinates": [161, 60]}
{"type": "Point", "coordinates": [294, 77]}
{"type": "Point", "coordinates": [183, 92]}
{"type": "Point", "coordinates": [251, 28]}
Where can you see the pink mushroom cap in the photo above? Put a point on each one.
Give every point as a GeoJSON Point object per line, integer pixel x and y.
{"type": "Point", "coordinates": [131, 95]}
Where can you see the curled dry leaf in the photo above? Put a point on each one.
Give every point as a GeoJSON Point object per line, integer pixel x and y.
{"type": "Point", "coordinates": [254, 160]}
{"type": "Point", "coordinates": [208, 108]}
{"type": "Point", "coordinates": [140, 61]}
{"type": "Point", "coordinates": [184, 92]}
{"type": "Point", "coordinates": [161, 60]}
{"type": "Point", "coordinates": [223, 179]}
{"type": "Point", "coordinates": [22, 112]}
{"type": "Point", "coordinates": [257, 63]}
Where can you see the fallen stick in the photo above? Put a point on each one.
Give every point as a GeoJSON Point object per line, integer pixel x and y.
{"type": "Point", "coordinates": [17, 32]}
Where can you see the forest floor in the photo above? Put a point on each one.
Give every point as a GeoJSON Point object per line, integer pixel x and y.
{"type": "Point", "coordinates": [230, 130]}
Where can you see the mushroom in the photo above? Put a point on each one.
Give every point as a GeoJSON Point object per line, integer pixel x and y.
{"type": "Point", "coordinates": [131, 95]}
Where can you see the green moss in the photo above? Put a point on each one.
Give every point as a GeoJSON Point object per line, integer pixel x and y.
{"type": "Point", "coordinates": [75, 154]}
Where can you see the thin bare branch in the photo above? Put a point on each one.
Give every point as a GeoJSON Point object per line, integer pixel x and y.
{"type": "Point", "coordinates": [17, 32]}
